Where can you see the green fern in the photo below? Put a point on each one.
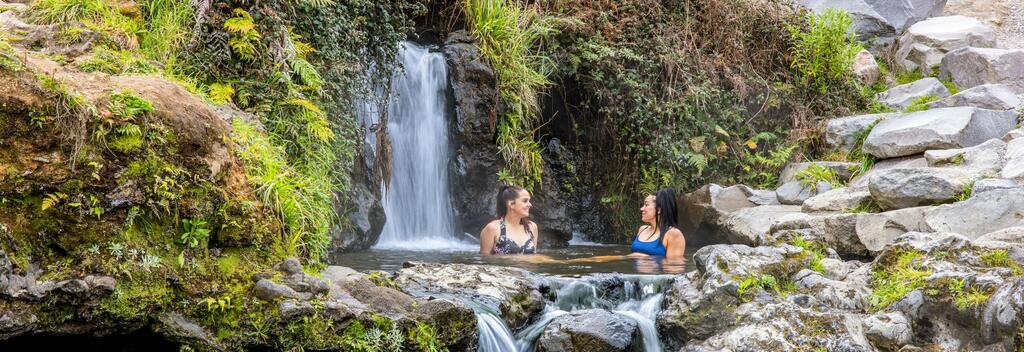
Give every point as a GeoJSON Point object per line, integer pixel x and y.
{"type": "Point", "coordinates": [307, 73]}
{"type": "Point", "coordinates": [51, 200]}
{"type": "Point", "coordinates": [244, 35]}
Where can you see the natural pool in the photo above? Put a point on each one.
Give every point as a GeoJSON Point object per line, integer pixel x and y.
{"type": "Point", "coordinates": [568, 261]}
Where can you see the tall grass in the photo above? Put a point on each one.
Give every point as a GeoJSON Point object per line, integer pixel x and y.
{"type": "Point", "coordinates": [167, 29]}
{"type": "Point", "coordinates": [510, 34]}
{"type": "Point", "coordinates": [300, 195]}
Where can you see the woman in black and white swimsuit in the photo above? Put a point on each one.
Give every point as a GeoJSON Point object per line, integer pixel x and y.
{"type": "Point", "coordinates": [512, 232]}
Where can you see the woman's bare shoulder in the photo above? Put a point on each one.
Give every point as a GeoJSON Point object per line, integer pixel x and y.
{"type": "Point", "coordinates": [494, 225]}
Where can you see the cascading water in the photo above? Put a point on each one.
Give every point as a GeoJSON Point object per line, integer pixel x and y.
{"type": "Point", "coordinates": [416, 203]}
{"type": "Point", "coordinates": [635, 297]}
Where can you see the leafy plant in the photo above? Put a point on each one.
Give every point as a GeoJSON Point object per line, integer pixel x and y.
{"type": "Point", "coordinates": [866, 206]}
{"type": "Point", "coordinates": [815, 249]}
{"type": "Point", "coordinates": [816, 173]}
{"type": "Point", "coordinates": [824, 52]}
{"type": "Point", "coordinates": [244, 35]}
{"type": "Point", "coordinates": [921, 104]}
{"type": "Point", "coordinates": [195, 232]}
{"type": "Point", "coordinates": [220, 93]}
{"type": "Point", "coordinates": [1001, 258]}
{"type": "Point", "coordinates": [51, 199]}
{"type": "Point", "coordinates": [965, 193]}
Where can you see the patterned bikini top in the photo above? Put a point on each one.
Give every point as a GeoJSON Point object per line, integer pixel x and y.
{"type": "Point", "coordinates": [506, 245]}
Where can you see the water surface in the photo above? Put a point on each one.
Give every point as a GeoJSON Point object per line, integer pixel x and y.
{"type": "Point", "coordinates": [569, 261]}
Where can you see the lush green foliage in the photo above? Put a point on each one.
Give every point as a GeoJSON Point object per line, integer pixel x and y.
{"type": "Point", "coordinates": [824, 52]}
{"type": "Point", "coordinates": [816, 173]}
{"type": "Point", "coordinates": [510, 34]}
{"type": "Point", "coordinates": [815, 249]}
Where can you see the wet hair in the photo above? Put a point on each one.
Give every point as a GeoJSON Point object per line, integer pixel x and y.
{"type": "Point", "coordinates": [506, 194]}
{"type": "Point", "coordinates": [665, 209]}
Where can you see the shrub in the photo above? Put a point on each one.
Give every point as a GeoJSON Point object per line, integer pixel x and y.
{"type": "Point", "coordinates": [824, 52]}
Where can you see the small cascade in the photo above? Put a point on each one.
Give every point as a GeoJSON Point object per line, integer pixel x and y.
{"type": "Point", "coordinates": [635, 297]}
{"type": "Point", "coordinates": [416, 203]}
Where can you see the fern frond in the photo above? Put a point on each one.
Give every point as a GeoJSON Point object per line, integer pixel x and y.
{"type": "Point", "coordinates": [51, 199]}
{"type": "Point", "coordinates": [307, 73]}
{"type": "Point", "coordinates": [242, 22]}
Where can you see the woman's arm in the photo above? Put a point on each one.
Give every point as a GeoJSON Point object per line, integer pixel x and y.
{"type": "Point", "coordinates": [536, 236]}
{"type": "Point", "coordinates": [487, 238]}
{"type": "Point", "coordinates": [675, 244]}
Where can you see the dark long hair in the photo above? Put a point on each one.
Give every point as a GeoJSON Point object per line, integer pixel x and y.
{"type": "Point", "coordinates": [665, 209]}
{"type": "Point", "coordinates": [506, 194]}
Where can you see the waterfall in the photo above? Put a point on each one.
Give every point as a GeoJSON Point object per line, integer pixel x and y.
{"type": "Point", "coordinates": [635, 297]}
{"type": "Point", "coordinates": [417, 202]}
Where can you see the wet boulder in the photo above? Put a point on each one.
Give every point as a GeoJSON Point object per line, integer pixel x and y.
{"type": "Point", "coordinates": [512, 291]}
{"type": "Point", "coordinates": [589, 330]}
{"type": "Point", "coordinates": [937, 129]}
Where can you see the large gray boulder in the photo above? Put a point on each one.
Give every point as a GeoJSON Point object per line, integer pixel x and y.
{"type": "Point", "coordinates": [986, 96]}
{"type": "Point", "coordinates": [1014, 167]}
{"type": "Point", "coordinates": [861, 182]}
{"type": "Point", "coordinates": [971, 67]}
{"type": "Point", "coordinates": [904, 13]}
{"type": "Point", "coordinates": [795, 192]}
{"type": "Point", "coordinates": [981, 214]}
{"type": "Point", "coordinates": [745, 225]}
{"type": "Point", "coordinates": [838, 199]}
{"type": "Point", "coordinates": [937, 129]}
{"type": "Point", "coordinates": [911, 187]}
{"type": "Point", "coordinates": [843, 133]}
{"type": "Point", "coordinates": [877, 230]}
{"type": "Point", "coordinates": [902, 96]}
{"type": "Point", "coordinates": [870, 26]}
{"type": "Point", "coordinates": [986, 158]}
{"type": "Point", "coordinates": [925, 43]}
{"type": "Point", "coordinates": [589, 330]}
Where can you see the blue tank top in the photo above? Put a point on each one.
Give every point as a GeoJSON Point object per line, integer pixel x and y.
{"type": "Point", "coordinates": [655, 248]}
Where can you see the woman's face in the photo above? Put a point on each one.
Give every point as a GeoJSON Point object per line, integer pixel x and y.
{"type": "Point", "coordinates": [521, 205]}
{"type": "Point", "coordinates": [647, 211]}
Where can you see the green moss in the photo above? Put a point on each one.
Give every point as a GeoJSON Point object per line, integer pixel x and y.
{"type": "Point", "coordinates": [909, 77]}
{"type": "Point", "coordinates": [134, 299]}
{"type": "Point", "coordinates": [899, 273]}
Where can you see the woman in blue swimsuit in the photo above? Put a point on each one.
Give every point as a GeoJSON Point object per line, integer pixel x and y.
{"type": "Point", "coordinates": [512, 232]}
{"type": "Point", "coordinates": [659, 235]}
